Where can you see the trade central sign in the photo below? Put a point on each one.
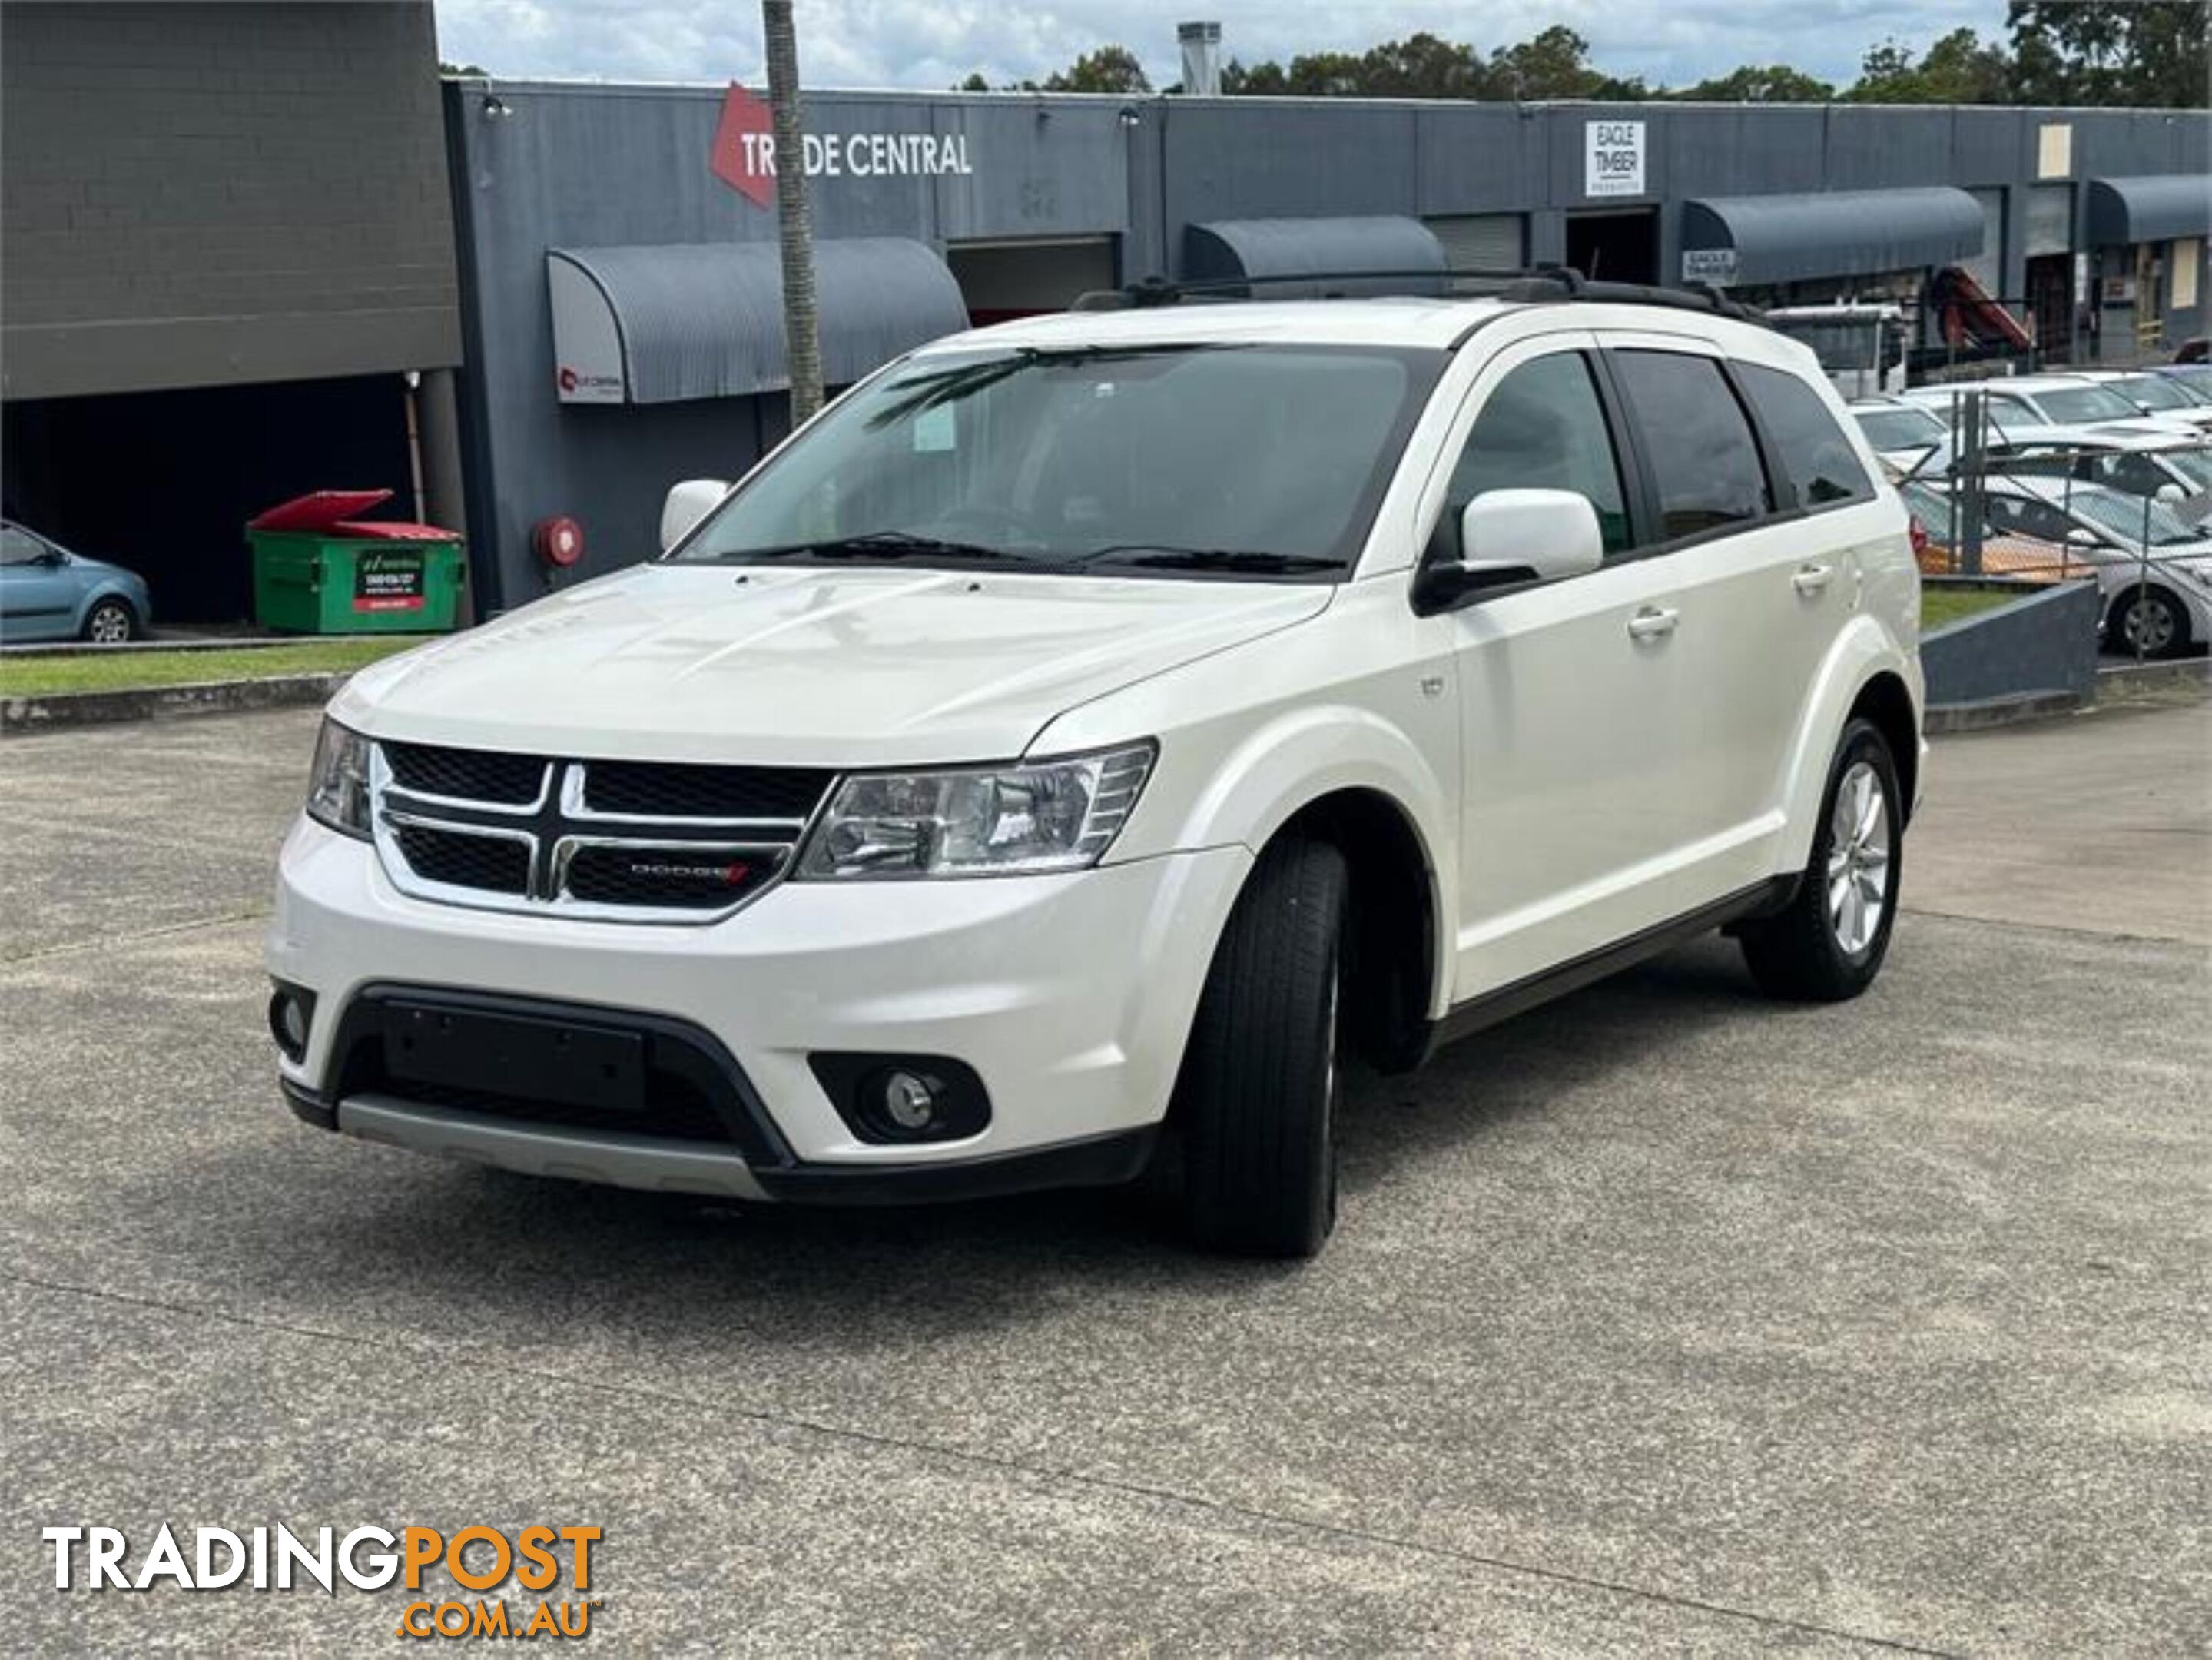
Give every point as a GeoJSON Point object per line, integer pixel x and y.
{"type": "Point", "coordinates": [744, 157]}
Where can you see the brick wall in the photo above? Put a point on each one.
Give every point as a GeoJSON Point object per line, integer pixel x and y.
{"type": "Point", "coordinates": [210, 194]}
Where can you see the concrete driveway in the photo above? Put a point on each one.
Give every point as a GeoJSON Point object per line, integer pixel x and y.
{"type": "Point", "coordinates": [1662, 1320]}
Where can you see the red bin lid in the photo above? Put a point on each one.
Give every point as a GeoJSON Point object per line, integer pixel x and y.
{"type": "Point", "coordinates": [393, 530]}
{"type": "Point", "coordinates": [318, 510]}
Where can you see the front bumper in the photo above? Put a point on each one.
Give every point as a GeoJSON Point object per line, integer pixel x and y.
{"type": "Point", "coordinates": [1070, 995]}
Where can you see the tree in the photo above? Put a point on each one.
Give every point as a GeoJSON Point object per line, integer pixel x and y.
{"type": "Point", "coordinates": [1959, 68]}
{"type": "Point", "coordinates": [1760, 83]}
{"type": "Point", "coordinates": [1555, 64]}
{"type": "Point", "coordinates": [802, 323]}
{"type": "Point", "coordinates": [2146, 52]}
{"type": "Point", "coordinates": [1109, 69]}
{"type": "Point", "coordinates": [975, 82]}
{"type": "Point", "coordinates": [1422, 66]}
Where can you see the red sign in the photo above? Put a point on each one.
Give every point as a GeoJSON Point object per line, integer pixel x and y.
{"type": "Point", "coordinates": [743, 151]}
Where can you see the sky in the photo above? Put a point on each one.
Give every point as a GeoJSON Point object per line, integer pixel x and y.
{"type": "Point", "coordinates": [933, 44]}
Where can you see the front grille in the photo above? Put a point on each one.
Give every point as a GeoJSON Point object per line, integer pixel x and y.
{"type": "Point", "coordinates": [489, 864]}
{"type": "Point", "coordinates": [466, 775]}
{"type": "Point", "coordinates": [620, 840]}
{"type": "Point", "coordinates": [649, 789]}
{"type": "Point", "coordinates": [692, 878]}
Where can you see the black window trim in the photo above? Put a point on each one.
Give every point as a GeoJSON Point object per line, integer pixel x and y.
{"type": "Point", "coordinates": [1619, 431]}
{"type": "Point", "coordinates": [1779, 479]}
{"type": "Point", "coordinates": [1774, 515]}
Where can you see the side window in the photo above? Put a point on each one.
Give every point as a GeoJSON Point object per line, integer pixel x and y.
{"type": "Point", "coordinates": [1815, 456]}
{"type": "Point", "coordinates": [1697, 441]}
{"type": "Point", "coordinates": [1543, 428]}
{"type": "Point", "coordinates": [19, 547]}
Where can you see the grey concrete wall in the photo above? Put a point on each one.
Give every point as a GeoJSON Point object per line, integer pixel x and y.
{"type": "Point", "coordinates": [210, 194]}
{"type": "Point", "coordinates": [2045, 644]}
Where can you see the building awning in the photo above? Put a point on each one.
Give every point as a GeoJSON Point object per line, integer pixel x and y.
{"type": "Point", "coordinates": [1747, 239]}
{"type": "Point", "coordinates": [1403, 250]}
{"type": "Point", "coordinates": [661, 325]}
{"type": "Point", "coordinates": [2151, 207]}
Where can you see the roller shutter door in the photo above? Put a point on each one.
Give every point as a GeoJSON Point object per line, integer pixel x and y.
{"type": "Point", "coordinates": [1481, 241]}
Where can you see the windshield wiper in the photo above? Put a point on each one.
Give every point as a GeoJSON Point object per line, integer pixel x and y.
{"type": "Point", "coordinates": [1256, 560]}
{"type": "Point", "coordinates": [881, 544]}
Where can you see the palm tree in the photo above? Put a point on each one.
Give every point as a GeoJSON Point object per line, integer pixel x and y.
{"type": "Point", "coordinates": [802, 327]}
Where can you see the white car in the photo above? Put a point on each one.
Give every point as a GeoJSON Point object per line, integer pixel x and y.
{"type": "Point", "coordinates": [2157, 397]}
{"type": "Point", "coordinates": [1066, 739]}
{"type": "Point", "coordinates": [1907, 437]}
{"type": "Point", "coordinates": [2154, 567]}
{"type": "Point", "coordinates": [2164, 468]}
{"type": "Point", "coordinates": [2048, 400]}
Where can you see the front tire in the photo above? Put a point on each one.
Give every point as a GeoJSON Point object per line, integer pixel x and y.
{"type": "Point", "coordinates": [1258, 1095]}
{"type": "Point", "coordinates": [110, 623]}
{"type": "Point", "coordinates": [2150, 619]}
{"type": "Point", "coordinates": [1828, 944]}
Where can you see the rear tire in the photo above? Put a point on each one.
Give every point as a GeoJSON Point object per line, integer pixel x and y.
{"type": "Point", "coordinates": [1258, 1095]}
{"type": "Point", "coordinates": [2155, 615]}
{"type": "Point", "coordinates": [1828, 944]}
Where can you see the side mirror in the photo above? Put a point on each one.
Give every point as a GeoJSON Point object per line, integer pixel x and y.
{"type": "Point", "coordinates": [1512, 537]}
{"type": "Point", "coordinates": [687, 504]}
{"type": "Point", "coordinates": [2170, 492]}
{"type": "Point", "coordinates": [2080, 537]}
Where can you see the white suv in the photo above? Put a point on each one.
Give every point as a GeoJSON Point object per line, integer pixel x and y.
{"type": "Point", "coordinates": [1069, 739]}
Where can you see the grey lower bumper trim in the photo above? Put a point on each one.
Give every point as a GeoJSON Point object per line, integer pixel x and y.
{"type": "Point", "coordinates": [622, 1161]}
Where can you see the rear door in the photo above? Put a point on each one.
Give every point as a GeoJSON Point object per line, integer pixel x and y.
{"type": "Point", "coordinates": [1764, 583]}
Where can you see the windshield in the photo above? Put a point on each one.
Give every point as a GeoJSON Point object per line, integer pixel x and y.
{"type": "Point", "coordinates": [2128, 517]}
{"type": "Point", "coordinates": [2078, 407]}
{"type": "Point", "coordinates": [2193, 464]}
{"type": "Point", "coordinates": [1213, 459]}
{"type": "Point", "coordinates": [2155, 390]}
{"type": "Point", "coordinates": [1900, 429]}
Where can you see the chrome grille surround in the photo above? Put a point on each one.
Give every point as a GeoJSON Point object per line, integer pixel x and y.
{"type": "Point", "coordinates": [557, 822]}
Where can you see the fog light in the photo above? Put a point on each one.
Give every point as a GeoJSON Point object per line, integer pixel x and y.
{"type": "Point", "coordinates": [904, 1097]}
{"type": "Point", "coordinates": [291, 1011]}
{"type": "Point", "coordinates": [910, 1100]}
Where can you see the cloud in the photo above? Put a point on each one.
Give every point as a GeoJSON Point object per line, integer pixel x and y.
{"type": "Point", "coordinates": [933, 44]}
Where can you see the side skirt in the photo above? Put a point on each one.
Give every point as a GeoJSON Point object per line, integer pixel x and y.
{"type": "Point", "coordinates": [1465, 1020]}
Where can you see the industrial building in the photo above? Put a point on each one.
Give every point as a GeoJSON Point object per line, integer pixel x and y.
{"type": "Point", "coordinates": [598, 261]}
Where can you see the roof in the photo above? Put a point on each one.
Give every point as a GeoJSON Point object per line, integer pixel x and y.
{"type": "Point", "coordinates": [1437, 323]}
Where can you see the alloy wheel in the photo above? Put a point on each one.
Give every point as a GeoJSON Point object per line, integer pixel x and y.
{"type": "Point", "coordinates": [1859, 848]}
{"type": "Point", "coordinates": [109, 626]}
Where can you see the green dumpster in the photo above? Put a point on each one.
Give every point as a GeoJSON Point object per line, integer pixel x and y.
{"type": "Point", "coordinates": [319, 569]}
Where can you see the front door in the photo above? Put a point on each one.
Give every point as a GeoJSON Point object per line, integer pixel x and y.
{"type": "Point", "coordinates": [38, 600]}
{"type": "Point", "coordinates": [1571, 694]}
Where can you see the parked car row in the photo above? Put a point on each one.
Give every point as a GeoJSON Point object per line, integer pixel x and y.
{"type": "Point", "coordinates": [2102, 475]}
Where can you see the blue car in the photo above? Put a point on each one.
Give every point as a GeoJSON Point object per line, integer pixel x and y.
{"type": "Point", "coordinates": [47, 592]}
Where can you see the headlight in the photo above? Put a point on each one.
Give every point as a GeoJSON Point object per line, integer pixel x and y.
{"type": "Point", "coordinates": [338, 789]}
{"type": "Point", "coordinates": [1051, 816]}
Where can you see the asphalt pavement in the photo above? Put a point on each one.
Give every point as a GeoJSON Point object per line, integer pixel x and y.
{"type": "Point", "coordinates": [1662, 1320]}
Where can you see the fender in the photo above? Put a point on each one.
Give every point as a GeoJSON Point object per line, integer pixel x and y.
{"type": "Point", "coordinates": [1863, 650]}
{"type": "Point", "coordinates": [1244, 795]}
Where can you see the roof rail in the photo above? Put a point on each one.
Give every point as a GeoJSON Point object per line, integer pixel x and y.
{"type": "Point", "coordinates": [1545, 284]}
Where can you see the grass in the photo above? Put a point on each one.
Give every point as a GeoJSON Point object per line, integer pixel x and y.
{"type": "Point", "coordinates": [1940, 606]}
{"type": "Point", "coordinates": [119, 670]}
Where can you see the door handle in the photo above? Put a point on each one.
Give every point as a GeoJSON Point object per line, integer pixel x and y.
{"type": "Point", "coordinates": [1809, 579]}
{"type": "Point", "coordinates": [1653, 622]}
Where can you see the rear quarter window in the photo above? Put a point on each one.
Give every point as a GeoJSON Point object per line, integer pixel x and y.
{"type": "Point", "coordinates": [1817, 459]}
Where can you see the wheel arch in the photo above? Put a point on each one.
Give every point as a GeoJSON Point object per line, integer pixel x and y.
{"type": "Point", "coordinates": [1865, 674]}
{"type": "Point", "coordinates": [1393, 935]}
{"type": "Point", "coordinates": [1887, 703]}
